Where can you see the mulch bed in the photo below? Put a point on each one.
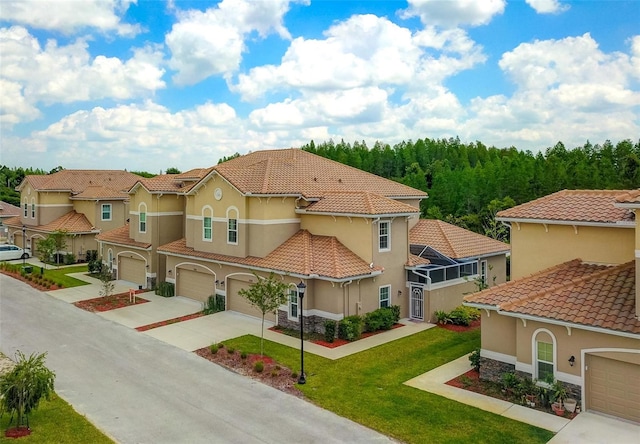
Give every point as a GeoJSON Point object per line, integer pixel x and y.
{"type": "Point", "coordinates": [471, 381]}
{"type": "Point", "coordinates": [460, 328]}
{"type": "Point", "coordinates": [337, 342]}
{"type": "Point", "coordinates": [34, 284]}
{"type": "Point", "coordinates": [106, 303]}
{"type": "Point", "coordinates": [274, 374]}
{"type": "Point", "coordinates": [170, 321]}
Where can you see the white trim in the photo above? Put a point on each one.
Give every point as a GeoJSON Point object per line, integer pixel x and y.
{"type": "Point", "coordinates": [231, 209]}
{"type": "Point", "coordinates": [569, 378]}
{"type": "Point", "coordinates": [502, 357]}
{"type": "Point", "coordinates": [637, 254]}
{"type": "Point", "coordinates": [171, 280]}
{"type": "Point", "coordinates": [619, 224]}
{"type": "Point", "coordinates": [323, 314]}
{"type": "Point", "coordinates": [102, 212]}
{"type": "Point", "coordinates": [389, 295]}
{"type": "Point", "coordinates": [524, 367]}
{"type": "Point", "coordinates": [355, 215]}
{"type": "Point", "coordinates": [451, 282]}
{"type": "Point", "coordinates": [293, 289]}
{"type": "Point", "coordinates": [388, 235]}
{"type": "Point", "coordinates": [534, 351]}
{"type": "Point", "coordinates": [54, 205]}
{"type": "Point", "coordinates": [583, 369]}
{"type": "Point", "coordinates": [250, 221]}
{"type": "Point", "coordinates": [156, 214]}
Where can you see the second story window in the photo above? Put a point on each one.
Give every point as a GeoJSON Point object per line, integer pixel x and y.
{"type": "Point", "coordinates": [106, 211]}
{"type": "Point", "coordinates": [143, 222]}
{"type": "Point", "coordinates": [26, 210]}
{"type": "Point", "coordinates": [384, 236]}
{"type": "Point", "coordinates": [33, 210]}
{"type": "Point", "coordinates": [207, 229]}
{"type": "Point", "coordinates": [232, 234]}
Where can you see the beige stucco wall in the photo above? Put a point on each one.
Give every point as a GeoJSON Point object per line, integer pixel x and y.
{"type": "Point", "coordinates": [445, 298]}
{"type": "Point", "coordinates": [497, 267]}
{"type": "Point", "coordinates": [534, 249]}
{"type": "Point", "coordinates": [498, 333]}
{"type": "Point", "coordinates": [49, 206]}
{"type": "Point", "coordinates": [354, 233]}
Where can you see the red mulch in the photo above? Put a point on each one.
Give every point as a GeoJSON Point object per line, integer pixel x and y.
{"type": "Point", "coordinates": [460, 328]}
{"type": "Point", "coordinates": [35, 285]}
{"type": "Point", "coordinates": [169, 321]}
{"type": "Point", "coordinates": [337, 342]}
{"type": "Point", "coordinates": [106, 303]}
{"type": "Point", "coordinates": [17, 432]}
{"type": "Point", "coordinates": [273, 374]}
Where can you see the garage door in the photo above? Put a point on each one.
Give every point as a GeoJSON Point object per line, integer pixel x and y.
{"type": "Point", "coordinates": [235, 302]}
{"type": "Point", "coordinates": [197, 285]}
{"type": "Point", "coordinates": [613, 388]}
{"type": "Point", "coordinates": [132, 270]}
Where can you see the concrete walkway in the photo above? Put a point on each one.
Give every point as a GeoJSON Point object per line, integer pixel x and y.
{"type": "Point", "coordinates": [586, 428]}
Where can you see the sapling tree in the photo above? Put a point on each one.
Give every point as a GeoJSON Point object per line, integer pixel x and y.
{"type": "Point", "coordinates": [106, 282]}
{"type": "Point", "coordinates": [22, 388]}
{"type": "Point", "coordinates": [267, 294]}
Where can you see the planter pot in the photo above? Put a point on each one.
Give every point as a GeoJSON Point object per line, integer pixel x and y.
{"type": "Point", "coordinates": [557, 408]}
{"type": "Point", "coordinates": [570, 404]}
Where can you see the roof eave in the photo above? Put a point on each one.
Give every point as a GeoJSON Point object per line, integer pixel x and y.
{"type": "Point", "coordinates": [368, 216]}
{"type": "Point", "coordinates": [136, 247]}
{"type": "Point", "coordinates": [617, 224]}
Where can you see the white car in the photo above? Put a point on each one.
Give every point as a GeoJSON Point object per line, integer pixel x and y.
{"type": "Point", "coordinates": [10, 252]}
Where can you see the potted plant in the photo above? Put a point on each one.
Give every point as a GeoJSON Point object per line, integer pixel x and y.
{"type": "Point", "coordinates": [570, 404]}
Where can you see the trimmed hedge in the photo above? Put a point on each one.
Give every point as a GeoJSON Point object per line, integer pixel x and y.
{"type": "Point", "coordinates": [350, 328]}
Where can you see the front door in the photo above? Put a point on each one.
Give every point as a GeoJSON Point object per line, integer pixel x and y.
{"type": "Point", "coordinates": [417, 303]}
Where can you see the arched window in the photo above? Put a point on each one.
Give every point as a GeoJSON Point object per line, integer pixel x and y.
{"type": "Point", "coordinates": [232, 226]}
{"type": "Point", "coordinates": [544, 355]}
{"type": "Point", "coordinates": [142, 218]}
{"type": "Point", "coordinates": [207, 224]}
{"type": "Point", "coordinates": [33, 208]}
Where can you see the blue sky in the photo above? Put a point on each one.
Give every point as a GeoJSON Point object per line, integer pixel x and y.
{"type": "Point", "coordinates": [154, 84]}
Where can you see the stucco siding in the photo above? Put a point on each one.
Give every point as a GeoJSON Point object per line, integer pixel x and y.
{"type": "Point", "coordinates": [446, 298]}
{"type": "Point", "coordinates": [498, 333]}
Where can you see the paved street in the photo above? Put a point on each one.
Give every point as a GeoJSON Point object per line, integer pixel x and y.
{"type": "Point", "coordinates": [140, 390]}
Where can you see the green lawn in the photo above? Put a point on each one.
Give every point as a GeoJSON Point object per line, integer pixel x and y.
{"type": "Point", "coordinates": [368, 388]}
{"type": "Point", "coordinates": [59, 274]}
{"type": "Point", "coordinates": [56, 421]}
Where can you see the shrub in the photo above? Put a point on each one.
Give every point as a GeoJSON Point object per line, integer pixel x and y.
{"type": "Point", "coordinates": [294, 375]}
{"type": "Point", "coordinates": [214, 304]}
{"type": "Point", "coordinates": [274, 373]}
{"type": "Point", "coordinates": [329, 330]}
{"type": "Point", "coordinates": [231, 350]}
{"type": "Point", "coordinates": [243, 355]}
{"type": "Point", "coordinates": [214, 348]}
{"type": "Point", "coordinates": [350, 328]}
{"type": "Point", "coordinates": [442, 317]}
{"type": "Point", "coordinates": [474, 358]}
{"type": "Point", "coordinates": [380, 319]}
{"type": "Point", "coordinates": [69, 259]}
{"type": "Point", "coordinates": [258, 366]}
{"type": "Point", "coordinates": [459, 316]}
{"type": "Point", "coordinates": [510, 381]}
{"type": "Point", "coordinates": [166, 289]}
{"type": "Point", "coordinates": [395, 309]}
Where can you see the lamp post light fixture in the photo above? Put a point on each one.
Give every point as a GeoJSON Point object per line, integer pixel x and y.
{"type": "Point", "coordinates": [24, 237]}
{"type": "Point", "coordinates": [301, 289]}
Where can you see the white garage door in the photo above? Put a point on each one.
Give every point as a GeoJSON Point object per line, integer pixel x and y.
{"type": "Point", "coordinates": [196, 284]}
{"type": "Point", "coordinates": [235, 302]}
{"type": "Point", "coordinates": [132, 270]}
{"type": "Point", "coordinates": [613, 387]}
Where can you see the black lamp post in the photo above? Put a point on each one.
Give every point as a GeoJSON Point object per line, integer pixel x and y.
{"type": "Point", "coordinates": [301, 289]}
{"type": "Point", "coordinates": [24, 238]}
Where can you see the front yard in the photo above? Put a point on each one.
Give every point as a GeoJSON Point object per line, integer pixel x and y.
{"type": "Point", "coordinates": [368, 388]}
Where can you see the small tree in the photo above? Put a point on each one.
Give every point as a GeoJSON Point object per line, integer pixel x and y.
{"type": "Point", "coordinates": [107, 285]}
{"type": "Point", "coordinates": [23, 387]}
{"type": "Point", "coordinates": [46, 248]}
{"type": "Point", "coordinates": [267, 294]}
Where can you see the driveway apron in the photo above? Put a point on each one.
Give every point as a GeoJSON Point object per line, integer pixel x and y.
{"type": "Point", "coordinates": [140, 390]}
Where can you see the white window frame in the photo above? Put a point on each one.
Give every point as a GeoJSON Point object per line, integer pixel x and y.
{"type": "Point", "coordinates": [534, 352]}
{"type": "Point", "coordinates": [230, 230]}
{"type": "Point", "coordinates": [26, 209]}
{"type": "Point", "coordinates": [109, 211]}
{"type": "Point", "coordinates": [386, 236]}
{"type": "Point", "coordinates": [142, 213]}
{"type": "Point", "coordinates": [483, 272]}
{"type": "Point", "coordinates": [381, 290]}
{"type": "Point", "coordinates": [33, 209]}
{"type": "Point", "coordinates": [293, 305]}
{"type": "Point", "coordinates": [208, 238]}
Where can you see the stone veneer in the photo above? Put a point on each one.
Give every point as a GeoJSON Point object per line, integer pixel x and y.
{"type": "Point", "coordinates": [312, 324]}
{"type": "Point", "coordinates": [492, 370]}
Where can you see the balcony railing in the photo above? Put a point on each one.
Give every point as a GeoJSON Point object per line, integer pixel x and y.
{"type": "Point", "coordinates": [434, 274]}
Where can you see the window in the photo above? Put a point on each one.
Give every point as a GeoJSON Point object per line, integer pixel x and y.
{"type": "Point", "coordinates": [385, 296]}
{"type": "Point", "coordinates": [545, 360]}
{"type": "Point", "coordinates": [232, 231]}
{"type": "Point", "coordinates": [384, 243]}
{"type": "Point", "coordinates": [207, 229]}
{"type": "Point", "coordinates": [143, 222]}
{"type": "Point", "coordinates": [293, 304]}
{"type": "Point", "coordinates": [33, 210]}
{"type": "Point", "coordinates": [26, 210]}
{"type": "Point", "coordinates": [483, 272]}
{"type": "Point", "coordinates": [106, 211]}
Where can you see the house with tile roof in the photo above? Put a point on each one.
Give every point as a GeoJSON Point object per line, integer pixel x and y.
{"type": "Point", "coordinates": [447, 263]}
{"type": "Point", "coordinates": [79, 202]}
{"type": "Point", "coordinates": [7, 211]}
{"type": "Point", "coordinates": [572, 311]}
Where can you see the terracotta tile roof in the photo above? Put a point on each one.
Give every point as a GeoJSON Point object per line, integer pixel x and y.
{"type": "Point", "coordinates": [573, 206]}
{"type": "Point", "coordinates": [72, 222]}
{"type": "Point", "coordinates": [573, 292]}
{"type": "Point", "coordinates": [14, 221]}
{"type": "Point", "coordinates": [453, 241]}
{"type": "Point", "coordinates": [120, 236]}
{"type": "Point", "coordinates": [359, 202]}
{"type": "Point", "coordinates": [99, 192]}
{"type": "Point", "coordinates": [293, 171]}
{"type": "Point", "coordinates": [194, 174]}
{"type": "Point", "coordinates": [632, 197]}
{"type": "Point", "coordinates": [176, 183]}
{"type": "Point", "coordinates": [76, 181]}
{"type": "Point", "coordinates": [303, 254]}
{"type": "Point", "coordinates": [8, 210]}
{"type": "Point", "coordinates": [414, 261]}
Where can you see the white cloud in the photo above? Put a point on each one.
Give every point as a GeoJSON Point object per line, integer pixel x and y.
{"type": "Point", "coordinates": [15, 108]}
{"type": "Point", "coordinates": [547, 6]}
{"type": "Point", "coordinates": [68, 16]}
{"type": "Point", "coordinates": [64, 74]}
{"type": "Point", "coordinates": [210, 43]}
{"type": "Point", "coordinates": [363, 51]}
{"type": "Point", "coordinates": [452, 13]}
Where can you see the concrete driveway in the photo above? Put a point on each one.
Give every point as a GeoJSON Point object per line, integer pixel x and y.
{"type": "Point", "coordinates": [140, 390]}
{"type": "Point", "coordinates": [592, 428]}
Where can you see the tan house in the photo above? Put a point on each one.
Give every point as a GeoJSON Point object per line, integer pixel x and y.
{"type": "Point", "coordinates": [80, 202]}
{"type": "Point", "coordinates": [7, 211]}
{"type": "Point", "coordinates": [458, 262]}
{"type": "Point", "coordinates": [572, 310]}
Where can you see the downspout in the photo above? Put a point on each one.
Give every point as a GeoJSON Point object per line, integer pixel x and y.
{"type": "Point", "coordinates": [345, 295]}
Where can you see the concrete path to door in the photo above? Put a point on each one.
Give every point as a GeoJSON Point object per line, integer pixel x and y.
{"type": "Point", "coordinates": [140, 390]}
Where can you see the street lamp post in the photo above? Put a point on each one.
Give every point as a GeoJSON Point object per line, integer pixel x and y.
{"type": "Point", "coordinates": [301, 289]}
{"type": "Point", "coordinates": [24, 247]}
